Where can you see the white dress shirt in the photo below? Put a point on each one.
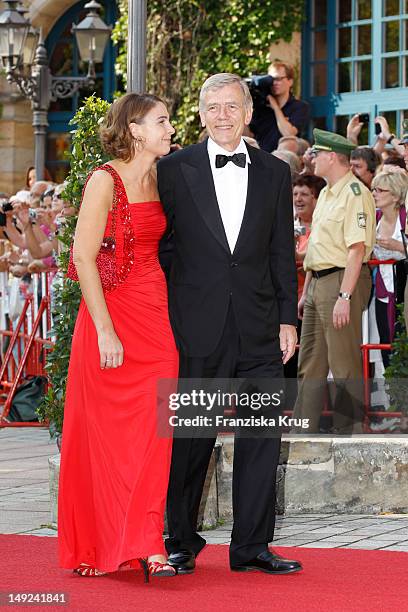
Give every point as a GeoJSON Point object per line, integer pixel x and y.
{"type": "Point", "coordinates": [231, 186]}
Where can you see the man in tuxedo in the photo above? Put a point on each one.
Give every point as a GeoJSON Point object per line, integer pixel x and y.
{"type": "Point", "coordinates": [233, 310]}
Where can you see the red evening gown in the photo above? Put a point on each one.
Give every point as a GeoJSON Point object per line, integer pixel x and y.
{"type": "Point", "coordinates": [114, 467]}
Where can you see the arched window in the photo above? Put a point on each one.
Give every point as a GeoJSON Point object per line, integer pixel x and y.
{"type": "Point", "coordinates": [64, 61]}
{"type": "Point", "coordinates": [355, 60]}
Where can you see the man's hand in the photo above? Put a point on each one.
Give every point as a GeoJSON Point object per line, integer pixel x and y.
{"type": "Point", "coordinates": [288, 339]}
{"type": "Point", "coordinates": [354, 127]}
{"type": "Point", "coordinates": [301, 306]}
{"type": "Point", "coordinates": [341, 313]}
{"type": "Point", "coordinates": [272, 102]}
{"type": "Point", "coordinates": [385, 129]}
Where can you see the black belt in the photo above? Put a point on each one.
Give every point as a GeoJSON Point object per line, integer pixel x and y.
{"type": "Point", "coordinates": [321, 273]}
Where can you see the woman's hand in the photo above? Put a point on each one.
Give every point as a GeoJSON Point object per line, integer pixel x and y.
{"type": "Point", "coordinates": [390, 244]}
{"type": "Point", "coordinates": [110, 350]}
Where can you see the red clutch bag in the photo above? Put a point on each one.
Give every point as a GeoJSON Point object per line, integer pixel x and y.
{"type": "Point", "coordinates": [105, 262]}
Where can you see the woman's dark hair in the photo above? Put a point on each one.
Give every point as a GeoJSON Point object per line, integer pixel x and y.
{"type": "Point", "coordinates": [395, 161]}
{"type": "Point", "coordinates": [314, 183]}
{"type": "Point", "coordinates": [47, 176]}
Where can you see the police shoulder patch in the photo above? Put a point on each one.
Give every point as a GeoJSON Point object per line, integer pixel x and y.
{"type": "Point", "coordinates": [362, 220]}
{"type": "Point", "coordinates": [355, 188]}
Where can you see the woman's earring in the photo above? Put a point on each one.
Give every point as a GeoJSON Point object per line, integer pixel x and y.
{"type": "Point", "coordinates": [139, 143]}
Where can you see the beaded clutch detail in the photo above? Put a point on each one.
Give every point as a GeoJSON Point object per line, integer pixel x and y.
{"type": "Point", "coordinates": [111, 273]}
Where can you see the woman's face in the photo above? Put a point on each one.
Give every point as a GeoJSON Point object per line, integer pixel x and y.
{"type": "Point", "coordinates": [383, 197]}
{"type": "Point", "coordinates": [304, 202]}
{"type": "Point", "coordinates": [57, 203]}
{"type": "Point", "coordinates": [155, 131]}
{"type": "Point", "coordinates": [31, 178]}
{"type": "Point", "coordinates": [45, 203]}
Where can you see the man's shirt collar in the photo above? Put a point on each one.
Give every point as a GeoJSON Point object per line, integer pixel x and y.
{"type": "Point", "coordinates": [338, 186]}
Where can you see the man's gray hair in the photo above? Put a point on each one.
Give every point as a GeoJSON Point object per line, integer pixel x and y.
{"type": "Point", "coordinates": [216, 81]}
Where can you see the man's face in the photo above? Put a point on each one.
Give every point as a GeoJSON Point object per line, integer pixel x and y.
{"type": "Point", "coordinates": [281, 85]}
{"type": "Point", "coordinates": [321, 162]}
{"type": "Point", "coordinates": [360, 170]}
{"type": "Point", "coordinates": [225, 115]}
{"type": "Point", "coordinates": [405, 155]}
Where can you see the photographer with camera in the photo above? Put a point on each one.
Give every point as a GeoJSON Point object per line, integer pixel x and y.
{"type": "Point", "coordinates": [277, 112]}
{"type": "Point", "coordinates": [29, 226]}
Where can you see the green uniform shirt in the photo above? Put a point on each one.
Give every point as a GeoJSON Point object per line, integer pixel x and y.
{"type": "Point", "coordinates": [344, 215]}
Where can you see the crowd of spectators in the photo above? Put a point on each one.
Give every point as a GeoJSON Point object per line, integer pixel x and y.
{"type": "Point", "coordinates": [381, 167]}
{"type": "Point", "coordinates": [30, 221]}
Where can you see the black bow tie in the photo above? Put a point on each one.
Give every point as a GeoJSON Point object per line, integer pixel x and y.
{"type": "Point", "coordinates": [239, 159]}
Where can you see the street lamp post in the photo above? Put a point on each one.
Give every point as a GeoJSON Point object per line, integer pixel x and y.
{"type": "Point", "coordinates": [19, 42]}
{"type": "Point", "coordinates": [136, 57]}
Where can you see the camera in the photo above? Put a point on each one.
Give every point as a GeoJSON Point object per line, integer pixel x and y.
{"type": "Point", "coordinates": [59, 222]}
{"type": "Point", "coordinates": [299, 230]}
{"type": "Point", "coordinates": [364, 118]}
{"type": "Point", "coordinates": [260, 86]}
{"type": "Point", "coordinates": [6, 207]}
{"type": "Point", "coordinates": [32, 213]}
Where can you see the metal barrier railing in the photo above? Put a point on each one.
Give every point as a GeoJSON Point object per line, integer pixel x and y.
{"type": "Point", "coordinates": [28, 344]}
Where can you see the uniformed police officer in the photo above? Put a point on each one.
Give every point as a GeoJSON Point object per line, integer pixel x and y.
{"type": "Point", "coordinates": [337, 287]}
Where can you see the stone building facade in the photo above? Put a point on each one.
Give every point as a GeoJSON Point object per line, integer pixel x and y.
{"type": "Point", "coordinates": [16, 132]}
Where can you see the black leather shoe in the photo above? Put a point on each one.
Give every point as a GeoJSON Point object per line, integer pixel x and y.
{"type": "Point", "coordinates": [183, 560]}
{"type": "Point", "coordinates": [268, 562]}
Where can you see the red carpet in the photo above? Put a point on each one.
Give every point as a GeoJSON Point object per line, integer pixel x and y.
{"type": "Point", "coordinates": [333, 580]}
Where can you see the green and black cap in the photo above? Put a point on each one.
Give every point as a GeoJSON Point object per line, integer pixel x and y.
{"type": "Point", "coordinates": [329, 141]}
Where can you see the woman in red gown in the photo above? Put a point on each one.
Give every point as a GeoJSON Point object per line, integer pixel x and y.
{"type": "Point", "coordinates": [114, 466]}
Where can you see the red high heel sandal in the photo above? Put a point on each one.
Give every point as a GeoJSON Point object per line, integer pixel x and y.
{"type": "Point", "coordinates": [156, 569]}
{"type": "Point", "coordinates": [87, 570]}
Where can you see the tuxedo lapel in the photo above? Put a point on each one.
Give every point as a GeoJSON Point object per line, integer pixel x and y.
{"type": "Point", "coordinates": [200, 181]}
{"type": "Point", "coordinates": [259, 181]}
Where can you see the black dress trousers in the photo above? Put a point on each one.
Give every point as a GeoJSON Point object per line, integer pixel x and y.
{"type": "Point", "coordinates": [255, 458]}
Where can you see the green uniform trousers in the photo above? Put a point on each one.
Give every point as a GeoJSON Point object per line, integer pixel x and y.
{"type": "Point", "coordinates": [322, 347]}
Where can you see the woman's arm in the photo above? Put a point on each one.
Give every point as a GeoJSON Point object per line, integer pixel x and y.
{"type": "Point", "coordinates": [96, 203]}
{"type": "Point", "coordinates": [34, 239]}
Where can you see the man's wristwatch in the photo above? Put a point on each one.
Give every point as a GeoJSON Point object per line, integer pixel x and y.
{"type": "Point", "coordinates": [391, 138]}
{"type": "Point", "coordinates": [344, 295]}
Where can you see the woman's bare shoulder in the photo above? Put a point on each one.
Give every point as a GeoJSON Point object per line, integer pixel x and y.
{"type": "Point", "coordinates": [100, 179]}
{"type": "Point", "coordinates": [99, 191]}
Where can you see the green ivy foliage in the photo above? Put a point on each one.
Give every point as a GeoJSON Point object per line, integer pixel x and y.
{"type": "Point", "coordinates": [396, 374]}
{"type": "Point", "coordinates": [86, 154]}
{"type": "Point", "coordinates": [188, 40]}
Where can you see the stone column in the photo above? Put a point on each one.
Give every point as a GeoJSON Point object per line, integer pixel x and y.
{"type": "Point", "coordinates": [136, 58]}
{"type": "Point", "coordinates": [16, 138]}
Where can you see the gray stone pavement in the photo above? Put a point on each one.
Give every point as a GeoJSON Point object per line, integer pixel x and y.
{"type": "Point", "coordinates": [24, 505]}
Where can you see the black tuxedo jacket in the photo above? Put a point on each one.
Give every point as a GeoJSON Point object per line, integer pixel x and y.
{"type": "Point", "coordinates": [258, 278]}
